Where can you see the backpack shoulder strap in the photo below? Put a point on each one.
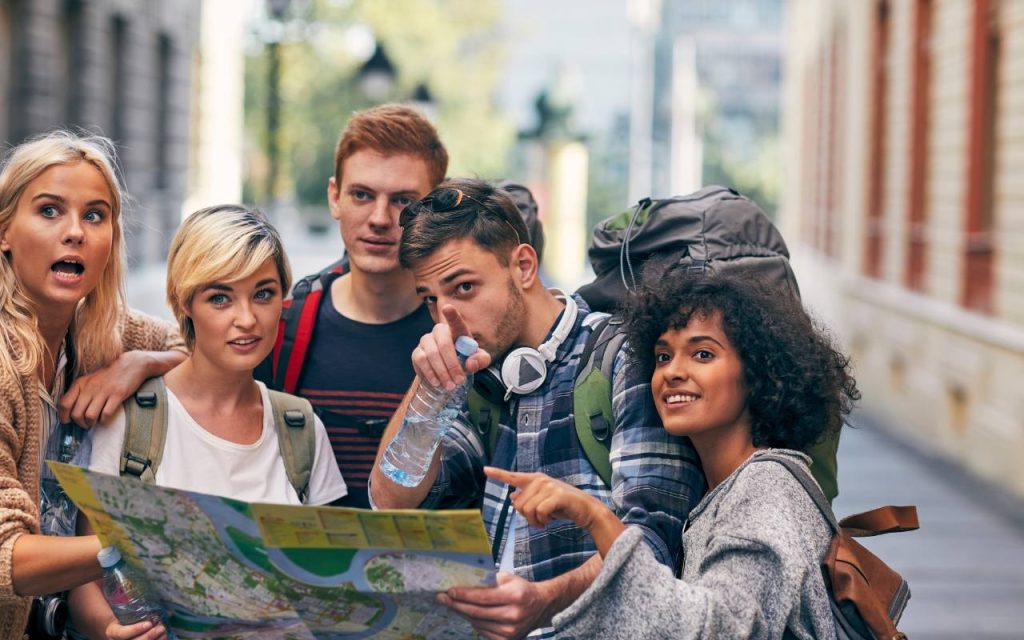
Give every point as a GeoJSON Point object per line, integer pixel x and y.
{"type": "Point", "coordinates": [145, 430]}
{"type": "Point", "coordinates": [807, 482]}
{"type": "Point", "coordinates": [592, 394]}
{"type": "Point", "coordinates": [485, 416]}
{"type": "Point", "coordinates": [295, 329]}
{"type": "Point", "coordinates": [888, 519]}
{"type": "Point", "coordinates": [296, 436]}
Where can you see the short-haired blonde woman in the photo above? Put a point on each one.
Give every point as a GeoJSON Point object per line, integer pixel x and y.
{"type": "Point", "coordinates": [226, 278]}
{"type": "Point", "coordinates": [69, 346]}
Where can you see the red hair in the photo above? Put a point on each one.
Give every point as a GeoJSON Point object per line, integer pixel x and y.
{"type": "Point", "coordinates": [393, 129]}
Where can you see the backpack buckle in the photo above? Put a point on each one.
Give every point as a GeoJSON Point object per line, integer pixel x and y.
{"type": "Point", "coordinates": [599, 427]}
{"type": "Point", "coordinates": [146, 399]}
{"type": "Point", "coordinates": [696, 267]}
{"type": "Point", "coordinates": [136, 465]}
{"type": "Point", "coordinates": [294, 419]}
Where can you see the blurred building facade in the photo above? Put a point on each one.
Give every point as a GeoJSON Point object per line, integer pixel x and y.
{"type": "Point", "coordinates": [905, 200]}
{"type": "Point", "coordinates": [123, 68]}
{"type": "Point", "coordinates": [706, 89]}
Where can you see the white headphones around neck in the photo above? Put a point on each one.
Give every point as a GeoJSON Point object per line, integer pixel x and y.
{"type": "Point", "coordinates": [524, 369]}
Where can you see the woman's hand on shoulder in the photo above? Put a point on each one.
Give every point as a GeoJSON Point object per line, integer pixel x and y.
{"type": "Point", "coordinates": [95, 397]}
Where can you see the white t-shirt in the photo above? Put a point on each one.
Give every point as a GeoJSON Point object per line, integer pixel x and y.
{"type": "Point", "coordinates": [196, 460]}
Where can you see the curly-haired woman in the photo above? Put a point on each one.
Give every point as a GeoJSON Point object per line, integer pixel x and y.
{"type": "Point", "coordinates": [69, 345]}
{"type": "Point", "coordinates": [739, 371]}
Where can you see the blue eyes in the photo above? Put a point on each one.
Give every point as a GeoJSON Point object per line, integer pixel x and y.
{"type": "Point", "coordinates": [221, 299]}
{"type": "Point", "coordinates": [50, 211]}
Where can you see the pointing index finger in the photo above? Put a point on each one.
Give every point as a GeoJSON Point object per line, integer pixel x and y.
{"type": "Point", "coordinates": [508, 477]}
{"type": "Point", "coordinates": [454, 320]}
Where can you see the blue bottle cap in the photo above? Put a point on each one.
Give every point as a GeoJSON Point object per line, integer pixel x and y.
{"type": "Point", "coordinates": [108, 557]}
{"type": "Point", "coordinates": [466, 346]}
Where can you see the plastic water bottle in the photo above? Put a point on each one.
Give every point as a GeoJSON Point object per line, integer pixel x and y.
{"type": "Point", "coordinates": [128, 592]}
{"type": "Point", "coordinates": [431, 412]}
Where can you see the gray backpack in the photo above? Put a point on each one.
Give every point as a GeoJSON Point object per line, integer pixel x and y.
{"type": "Point", "coordinates": [714, 230]}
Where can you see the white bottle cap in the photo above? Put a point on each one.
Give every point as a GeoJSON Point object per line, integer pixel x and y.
{"type": "Point", "coordinates": [108, 557]}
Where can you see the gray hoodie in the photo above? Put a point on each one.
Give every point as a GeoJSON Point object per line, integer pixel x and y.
{"type": "Point", "coordinates": [751, 570]}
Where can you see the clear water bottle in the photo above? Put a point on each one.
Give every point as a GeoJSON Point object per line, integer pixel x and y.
{"type": "Point", "coordinates": [431, 412]}
{"type": "Point", "coordinates": [128, 592]}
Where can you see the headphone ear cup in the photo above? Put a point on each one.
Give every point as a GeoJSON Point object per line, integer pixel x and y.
{"type": "Point", "coordinates": [523, 370]}
{"type": "Point", "coordinates": [487, 382]}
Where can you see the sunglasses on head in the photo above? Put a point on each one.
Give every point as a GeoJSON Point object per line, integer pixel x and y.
{"type": "Point", "coordinates": [445, 200]}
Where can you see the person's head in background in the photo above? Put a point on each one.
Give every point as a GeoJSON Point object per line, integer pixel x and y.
{"type": "Point", "coordinates": [227, 275]}
{"type": "Point", "coordinates": [528, 209]}
{"type": "Point", "coordinates": [386, 158]}
{"type": "Point", "coordinates": [63, 255]}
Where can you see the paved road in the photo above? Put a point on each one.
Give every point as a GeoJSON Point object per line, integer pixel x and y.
{"type": "Point", "coordinates": [965, 565]}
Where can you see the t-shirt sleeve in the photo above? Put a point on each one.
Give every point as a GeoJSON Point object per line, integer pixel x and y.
{"type": "Point", "coordinates": [325, 481]}
{"type": "Point", "coordinates": [107, 440]}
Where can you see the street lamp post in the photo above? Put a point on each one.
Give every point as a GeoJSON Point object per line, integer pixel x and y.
{"type": "Point", "coordinates": [377, 76]}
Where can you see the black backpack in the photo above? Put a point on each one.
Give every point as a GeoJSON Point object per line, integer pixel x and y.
{"type": "Point", "coordinates": [713, 230]}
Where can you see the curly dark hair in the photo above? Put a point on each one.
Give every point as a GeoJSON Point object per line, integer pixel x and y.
{"type": "Point", "coordinates": [799, 384]}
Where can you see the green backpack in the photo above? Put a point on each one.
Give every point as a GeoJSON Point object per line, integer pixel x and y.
{"type": "Point", "coordinates": [146, 433]}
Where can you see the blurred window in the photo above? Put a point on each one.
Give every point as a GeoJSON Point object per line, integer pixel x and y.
{"type": "Point", "coordinates": [979, 241]}
{"type": "Point", "coordinates": [5, 67]}
{"type": "Point", "coordinates": [119, 51]}
{"type": "Point", "coordinates": [72, 26]}
{"type": "Point", "coordinates": [164, 58]}
{"type": "Point", "coordinates": [921, 77]}
{"type": "Point", "coordinates": [876, 168]}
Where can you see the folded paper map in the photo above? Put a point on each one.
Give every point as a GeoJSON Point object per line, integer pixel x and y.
{"type": "Point", "coordinates": [230, 569]}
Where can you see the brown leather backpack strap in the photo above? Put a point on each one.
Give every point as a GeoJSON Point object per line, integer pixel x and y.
{"type": "Point", "coordinates": [890, 519]}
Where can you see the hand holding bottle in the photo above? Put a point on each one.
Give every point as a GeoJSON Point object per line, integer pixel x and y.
{"type": "Point", "coordinates": [435, 360]}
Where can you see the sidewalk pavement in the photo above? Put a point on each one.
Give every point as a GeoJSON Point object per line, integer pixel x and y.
{"type": "Point", "coordinates": [965, 565]}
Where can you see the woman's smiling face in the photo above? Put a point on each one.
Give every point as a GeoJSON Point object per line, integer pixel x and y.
{"type": "Point", "coordinates": [60, 237]}
{"type": "Point", "coordinates": [698, 379]}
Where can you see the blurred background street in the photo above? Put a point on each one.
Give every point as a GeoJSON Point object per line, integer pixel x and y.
{"type": "Point", "coordinates": [884, 137]}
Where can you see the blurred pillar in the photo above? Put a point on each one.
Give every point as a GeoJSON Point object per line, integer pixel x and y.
{"type": "Point", "coordinates": [687, 150]}
{"type": "Point", "coordinates": [566, 224]}
{"type": "Point", "coordinates": [556, 169]}
{"type": "Point", "coordinates": [218, 109]}
{"type": "Point", "coordinates": [277, 10]}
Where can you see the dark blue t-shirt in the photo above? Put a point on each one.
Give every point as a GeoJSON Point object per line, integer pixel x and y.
{"type": "Point", "coordinates": [355, 376]}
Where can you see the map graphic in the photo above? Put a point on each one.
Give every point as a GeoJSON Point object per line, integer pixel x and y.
{"type": "Point", "coordinates": [230, 569]}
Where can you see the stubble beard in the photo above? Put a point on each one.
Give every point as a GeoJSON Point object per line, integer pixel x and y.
{"type": "Point", "coordinates": [511, 322]}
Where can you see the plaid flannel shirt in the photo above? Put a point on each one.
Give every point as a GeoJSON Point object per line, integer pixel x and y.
{"type": "Point", "coordinates": [656, 477]}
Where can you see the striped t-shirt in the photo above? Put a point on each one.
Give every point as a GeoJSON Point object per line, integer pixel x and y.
{"type": "Point", "coordinates": [355, 376]}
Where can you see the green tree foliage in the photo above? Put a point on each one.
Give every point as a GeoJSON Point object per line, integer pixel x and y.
{"type": "Point", "coordinates": [452, 46]}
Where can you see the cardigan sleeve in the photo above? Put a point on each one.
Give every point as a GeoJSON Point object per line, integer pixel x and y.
{"type": "Point", "coordinates": [144, 332]}
{"type": "Point", "coordinates": [19, 454]}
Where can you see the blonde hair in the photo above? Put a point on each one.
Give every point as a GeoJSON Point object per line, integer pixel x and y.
{"type": "Point", "coordinates": [219, 244]}
{"type": "Point", "coordinates": [95, 340]}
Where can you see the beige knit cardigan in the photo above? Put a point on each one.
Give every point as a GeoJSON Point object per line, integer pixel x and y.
{"type": "Point", "coordinates": [19, 459]}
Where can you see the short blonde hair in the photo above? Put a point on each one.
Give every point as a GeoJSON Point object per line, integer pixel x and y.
{"type": "Point", "coordinates": [219, 244]}
{"type": "Point", "coordinates": [103, 308]}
